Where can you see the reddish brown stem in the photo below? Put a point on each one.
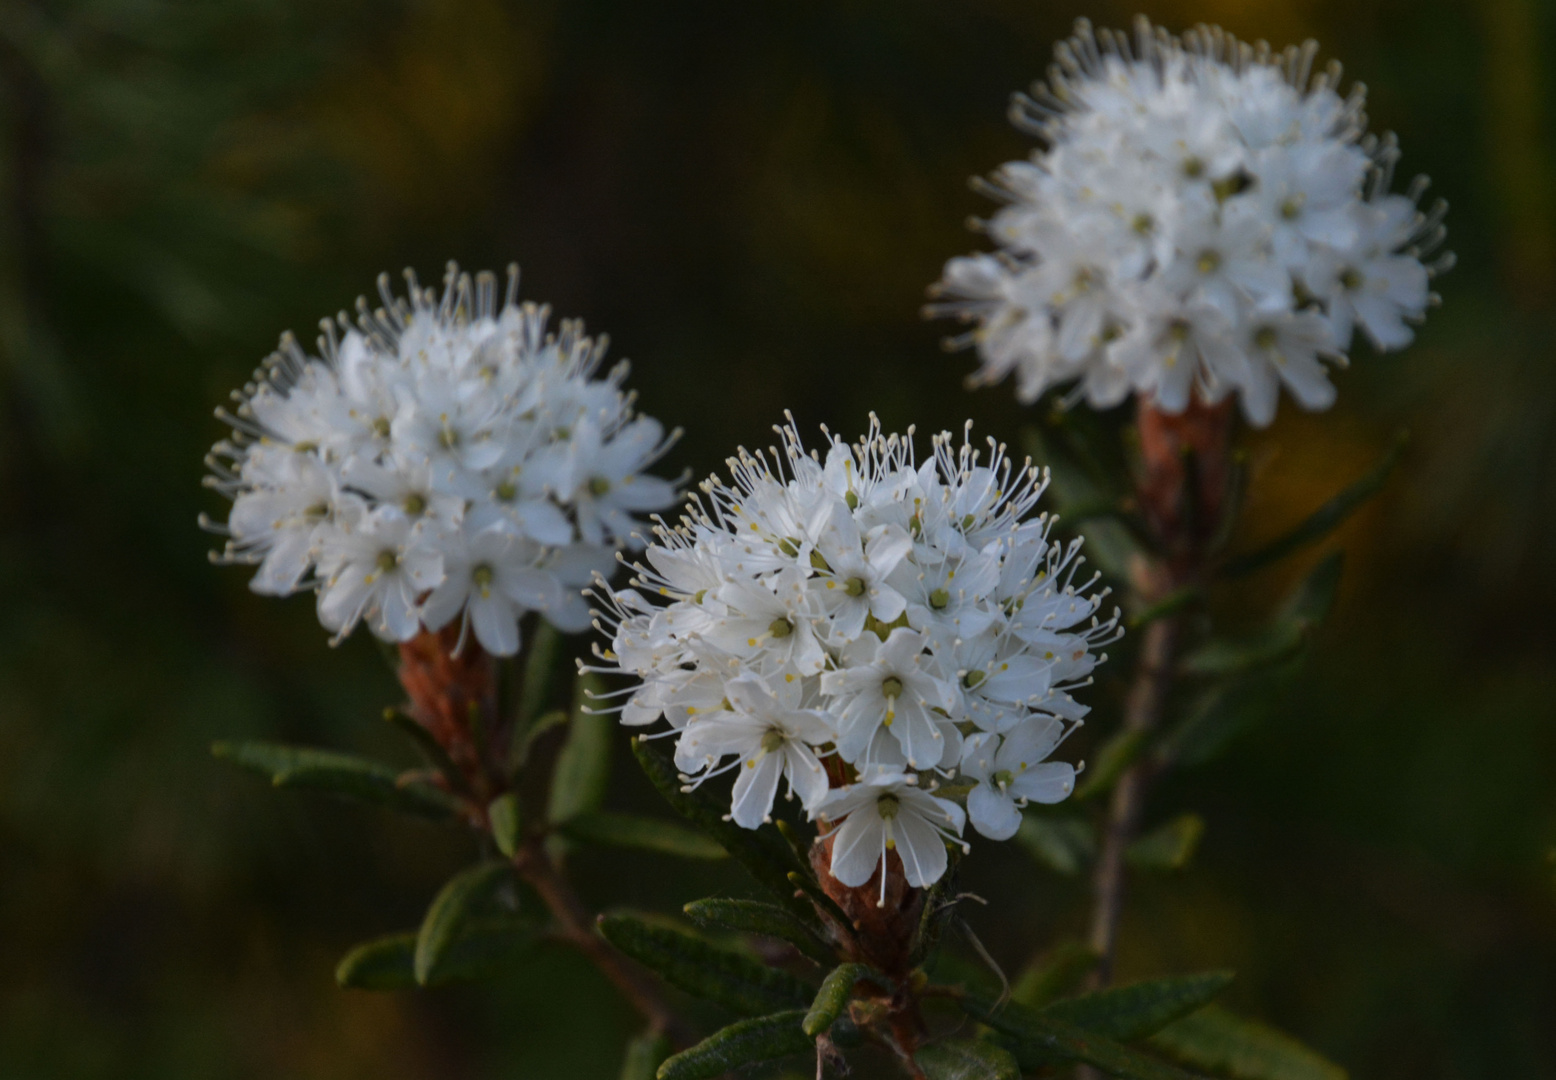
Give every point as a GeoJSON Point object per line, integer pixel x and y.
{"type": "Point", "coordinates": [577, 927]}
{"type": "Point", "coordinates": [1181, 488]}
{"type": "Point", "coordinates": [1142, 713]}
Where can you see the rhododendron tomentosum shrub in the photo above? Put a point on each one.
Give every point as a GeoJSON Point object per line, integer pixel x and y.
{"type": "Point", "coordinates": [858, 628]}
{"type": "Point", "coordinates": [443, 458]}
{"type": "Point", "coordinates": [1205, 217]}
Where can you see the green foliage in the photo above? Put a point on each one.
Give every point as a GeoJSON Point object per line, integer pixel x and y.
{"type": "Point", "coordinates": [540, 652]}
{"type": "Point", "coordinates": [1038, 1039]}
{"type": "Point", "coordinates": [1286, 635]}
{"type": "Point", "coordinates": [582, 770]}
{"type": "Point", "coordinates": [1250, 694]}
{"type": "Point", "coordinates": [1116, 755]}
{"type": "Point", "coordinates": [763, 852]}
{"type": "Point", "coordinates": [1169, 846]}
{"type": "Point", "coordinates": [645, 1053]}
{"type": "Point", "coordinates": [646, 834]}
{"type": "Point", "coordinates": [1325, 519]}
{"type": "Point", "coordinates": [837, 990]}
{"type": "Point", "coordinates": [1127, 1013]}
{"type": "Point", "coordinates": [967, 1059]}
{"type": "Point", "coordinates": [485, 947]}
{"type": "Point", "coordinates": [340, 774]}
{"type": "Point", "coordinates": [745, 1042]}
{"type": "Point", "coordinates": [451, 911]}
{"type": "Point", "coordinates": [429, 748]}
{"type": "Point", "coordinates": [1227, 1045]}
{"type": "Point", "coordinates": [757, 917]}
{"type": "Point", "coordinates": [1183, 597]}
{"type": "Point", "coordinates": [1062, 843]}
{"type": "Point", "coordinates": [1055, 974]}
{"type": "Point", "coordinates": [505, 817]}
{"type": "Point", "coordinates": [708, 971]}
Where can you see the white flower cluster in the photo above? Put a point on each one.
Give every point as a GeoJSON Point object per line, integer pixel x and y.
{"type": "Point", "coordinates": [861, 625]}
{"type": "Point", "coordinates": [441, 459]}
{"type": "Point", "coordinates": [1207, 217]}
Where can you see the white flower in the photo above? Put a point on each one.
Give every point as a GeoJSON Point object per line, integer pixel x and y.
{"type": "Point", "coordinates": [1011, 770]}
{"type": "Point", "coordinates": [886, 812]}
{"type": "Point", "coordinates": [442, 458]}
{"type": "Point", "coordinates": [1193, 198]}
{"type": "Point", "coordinates": [855, 609]}
{"type": "Point", "coordinates": [771, 737]}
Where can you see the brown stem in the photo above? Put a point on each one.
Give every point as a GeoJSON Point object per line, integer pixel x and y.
{"type": "Point", "coordinates": [1181, 487]}
{"type": "Point", "coordinates": [577, 926]}
{"type": "Point", "coordinates": [1142, 713]}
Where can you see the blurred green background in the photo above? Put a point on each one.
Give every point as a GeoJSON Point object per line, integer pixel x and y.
{"type": "Point", "coordinates": [751, 199]}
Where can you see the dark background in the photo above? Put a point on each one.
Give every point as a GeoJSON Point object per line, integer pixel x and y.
{"type": "Point", "coordinates": [751, 199]}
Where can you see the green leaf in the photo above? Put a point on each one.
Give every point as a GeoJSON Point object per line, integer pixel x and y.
{"type": "Point", "coordinates": [1325, 519]}
{"type": "Point", "coordinates": [1078, 484]}
{"type": "Point", "coordinates": [339, 774]}
{"type": "Point", "coordinates": [1116, 755]}
{"type": "Point", "coordinates": [707, 971]}
{"type": "Point", "coordinates": [757, 917]}
{"type": "Point", "coordinates": [486, 947]}
{"type": "Point", "coordinates": [1169, 846]}
{"type": "Point", "coordinates": [645, 1053]}
{"type": "Point", "coordinates": [1054, 974]}
{"type": "Point", "coordinates": [1063, 844]}
{"type": "Point", "coordinates": [1039, 1040]}
{"type": "Point", "coordinates": [451, 911]}
{"type": "Point", "coordinates": [507, 822]}
{"type": "Point", "coordinates": [429, 748]}
{"type": "Point", "coordinates": [745, 1042]}
{"type": "Point", "coordinates": [763, 852]}
{"type": "Point", "coordinates": [1286, 635]}
{"type": "Point", "coordinates": [1127, 1013]}
{"type": "Point", "coordinates": [583, 767]}
{"type": "Point", "coordinates": [539, 666]}
{"type": "Point", "coordinates": [1171, 604]}
{"type": "Point", "coordinates": [524, 745]}
{"type": "Point", "coordinates": [648, 834]}
{"type": "Point", "coordinates": [837, 990]}
{"type": "Point", "coordinates": [967, 1059]}
{"type": "Point", "coordinates": [1247, 699]}
{"type": "Point", "coordinates": [1219, 1041]}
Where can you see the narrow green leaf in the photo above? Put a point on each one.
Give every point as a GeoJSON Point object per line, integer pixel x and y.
{"type": "Point", "coordinates": [1127, 1013]}
{"type": "Point", "coordinates": [648, 834]}
{"type": "Point", "coordinates": [486, 947]}
{"type": "Point", "coordinates": [763, 852]}
{"type": "Point", "coordinates": [707, 971]}
{"type": "Point", "coordinates": [1076, 485]}
{"type": "Point", "coordinates": [451, 911]}
{"type": "Point", "coordinates": [386, 963]}
{"type": "Point", "coordinates": [524, 745]}
{"type": "Point", "coordinates": [1038, 1040]}
{"type": "Point", "coordinates": [430, 749]}
{"type": "Point", "coordinates": [1285, 636]}
{"type": "Point", "coordinates": [1054, 974]}
{"type": "Point", "coordinates": [967, 1059]}
{"type": "Point", "coordinates": [757, 917]}
{"type": "Point", "coordinates": [1220, 1042]}
{"type": "Point", "coordinates": [818, 897]}
{"type": "Point", "coordinates": [837, 990]}
{"type": "Point", "coordinates": [1169, 846]}
{"type": "Point", "coordinates": [1063, 844]}
{"type": "Point", "coordinates": [1325, 519]}
{"type": "Point", "coordinates": [1247, 699]}
{"type": "Point", "coordinates": [505, 817]}
{"type": "Point", "coordinates": [1116, 755]}
{"type": "Point", "coordinates": [745, 1042]}
{"type": "Point", "coordinates": [583, 767]}
{"type": "Point", "coordinates": [539, 668]}
{"type": "Point", "coordinates": [1171, 604]}
{"type": "Point", "coordinates": [645, 1053]}
{"type": "Point", "coordinates": [340, 774]}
